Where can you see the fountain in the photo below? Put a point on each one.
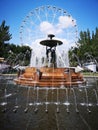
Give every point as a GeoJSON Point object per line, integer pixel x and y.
{"type": "Point", "coordinates": [60, 105]}
{"type": "Point", "coordinates": [48, 94]}
{"type": "Point", "coordinates": [50, 75]}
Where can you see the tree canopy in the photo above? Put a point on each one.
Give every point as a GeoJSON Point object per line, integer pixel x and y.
{"type": "Point", "coordinates": [9, 51]}
{"type": "Point", "coordinates": [4, 37]}
{"type": "Point", "coordinates": [4, 33]}
{"type": "Point", "coordinates": [87, 44]}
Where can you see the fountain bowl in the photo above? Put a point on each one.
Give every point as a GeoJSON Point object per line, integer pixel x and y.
{"type": "Point", "coordinates": [50, 77]}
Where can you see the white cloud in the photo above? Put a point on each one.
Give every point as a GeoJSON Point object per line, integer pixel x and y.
{"type": "Point", "coordinates": [47, 28]}
{"type": "Point", "coordinates": [66, 22]}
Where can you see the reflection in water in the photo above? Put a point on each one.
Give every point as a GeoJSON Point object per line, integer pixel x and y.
{"type": "Point", "coordinates": [48, 108]}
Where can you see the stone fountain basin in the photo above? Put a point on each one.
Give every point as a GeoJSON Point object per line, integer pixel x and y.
{"type": "Point", "coordinates": [51, 77]}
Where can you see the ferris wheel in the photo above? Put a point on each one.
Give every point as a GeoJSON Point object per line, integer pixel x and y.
{"type": "Point", "coordinates": [46, 20]}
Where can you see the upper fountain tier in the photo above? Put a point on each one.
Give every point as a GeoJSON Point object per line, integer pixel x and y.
{"type": "Point", "coordinates": [51, 42]}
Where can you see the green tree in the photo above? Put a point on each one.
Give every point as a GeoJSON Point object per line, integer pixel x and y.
{"type": "Point", "coordinates": [87, 44]}
{"type": "Point", "coordinates": [4, 37]}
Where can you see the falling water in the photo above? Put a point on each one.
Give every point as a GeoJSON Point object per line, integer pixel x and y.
{"type": "Point", "coordinates": [75, 100]}
{"type": "Point", "coordinates": [58, 100]}
{"type": "Point", "coordinates": [37, 97]}
{"type": "Point", "coordinates": [52, 87]}
{"type": "Point", "coordinates": [46, 110]}
{"type": "Point", "coordinates": [57, 121]}
{"type": "Point", "coordinates": [87, 103]}
{"type": "Point", "coordinates": [96, 95]}
{"type": "Point", "coordinates": [62, 60]}
{"type": "Point", "coordinates": [77, 58]}
{"type": "Point", "coordinates": [67, 101]}
{"type": "Point", "coordinates": [16, 105]}
{"type": "Point", "coordinates": [27, 100]}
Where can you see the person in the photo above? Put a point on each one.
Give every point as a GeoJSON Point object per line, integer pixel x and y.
{"type": "Point", "coordinates": [48, 50]}
{"type": "Point", "coordinates": [53, 56]}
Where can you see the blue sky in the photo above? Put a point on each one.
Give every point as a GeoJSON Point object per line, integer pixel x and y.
{"type": "Point", "coordinates": [14, 11]}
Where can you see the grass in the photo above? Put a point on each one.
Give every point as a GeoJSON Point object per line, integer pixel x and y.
{"type": "Point", "coordinates": [90, 73]}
